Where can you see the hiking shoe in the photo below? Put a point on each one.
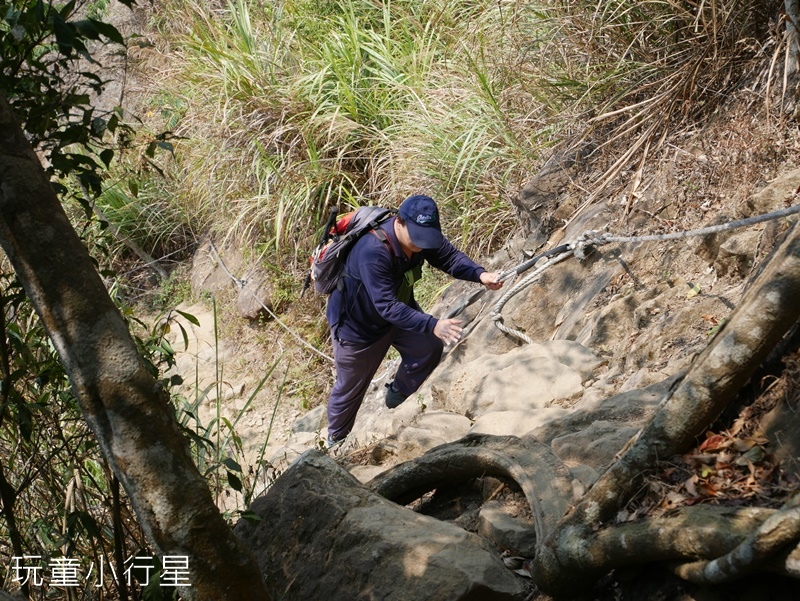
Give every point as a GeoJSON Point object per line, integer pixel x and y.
{"type": "Point", "coordinates": [330, 443]}
{"type": "Point", "coordinates": [393, 396]}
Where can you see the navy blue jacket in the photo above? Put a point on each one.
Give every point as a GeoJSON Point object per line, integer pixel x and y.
{"type": "Point", "coordinates": [365, 307]}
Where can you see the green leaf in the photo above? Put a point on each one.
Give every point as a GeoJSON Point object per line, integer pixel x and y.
{"type": "Point", "coordinates": [232, 465]}
{"type": "Point", "coordinates": [754, 455]}
{"type": "Point", "coordinates": [98, 126]}
{"type": "Point", "coordinates": [234, 482]}
{"type": "Point", "coordinates": [93, 29]}
{"type": "Point", "coordinates": [167, 347]}
{"type": "Point", "coordinates": [106, 156]}
{"type": "Point", "coordinates": [251, 516]}
{"type": "Point", "coordinates": [154, 591]}
{"type": "Point", "coordinates": [65, 36]}
{"type": "Point", "coordinates": [189, 317]}
{"type": "Point", "coordinates": [66, 10]}
{"type": "Point", "coordinates": [59, 189]}
{"type": "Point", "coordinates": [87, 29]}
{"type": "Point", "coordinates": [184, 335]}
{"type": "Point", "coordinates": [109, 31]}
{"type": "Point", "coordinates": [112, 124]}
{"type": "Point", "coordinates": [201, 441]}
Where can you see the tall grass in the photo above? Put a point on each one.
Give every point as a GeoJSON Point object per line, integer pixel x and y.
{"type": "Point", "coordinates": [144, 215]}
{"type": "Point", "coordinates": [637, 74]}
{"type": "Point", "coordinates": [296, 105]}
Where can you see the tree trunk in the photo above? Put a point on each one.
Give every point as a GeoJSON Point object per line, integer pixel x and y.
{"type": "Point", "coordinates": [792, 37]}
{"type": "Point", "coordinates": [125, 406]}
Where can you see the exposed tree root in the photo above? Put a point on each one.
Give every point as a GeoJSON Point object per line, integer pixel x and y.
{"type": "Point", "coordinates": [742, 537]}
{"type": "Point", "coordinates": [764, 315]}
{"type": "Point", "coordinates": [544, 480]}
{"type": "Point", "coordinates": [685, 533]}
{"type": "Point", "coordinates": [779, 530]}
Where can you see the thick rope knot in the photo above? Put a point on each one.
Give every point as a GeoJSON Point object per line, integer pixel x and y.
{"type": "Point", "coordinates": [594, 238]}
{"type": "Point", "coordinates": [582, 248]}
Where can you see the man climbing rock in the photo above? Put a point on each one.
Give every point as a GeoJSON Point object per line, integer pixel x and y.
{"type": "Point", "coordinates": [373, 308]}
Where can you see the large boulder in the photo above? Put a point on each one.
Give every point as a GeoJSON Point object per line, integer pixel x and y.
{"type": "Point", "coordinates": [255, 296]}
{"type": "Point", "coordinates": [213, 269]}
{"type": "Point", "coordinates": [323, 535]}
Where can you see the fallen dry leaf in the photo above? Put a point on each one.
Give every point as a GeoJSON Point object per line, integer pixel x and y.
{"type": "Point", "coordinates": [715, 442]}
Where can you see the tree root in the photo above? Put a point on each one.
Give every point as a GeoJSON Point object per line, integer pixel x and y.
{"type": "Point", "coordinates": [778, 531]}
{"type": "Point", "coordinates": [766, 312]}
{"type": "Point", "coordinates": [736, 535]}
{"type": "Point", "coordinates": [543, 478]}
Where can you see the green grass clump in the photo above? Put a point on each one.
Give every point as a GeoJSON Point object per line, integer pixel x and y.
{"type": "Point", "coordinates": [280, 110]}
{"type": "Point", "coordinates": [296, 106]}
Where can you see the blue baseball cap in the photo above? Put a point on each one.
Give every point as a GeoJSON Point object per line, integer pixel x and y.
{"type": "Point", "coordinates": [422, 220]}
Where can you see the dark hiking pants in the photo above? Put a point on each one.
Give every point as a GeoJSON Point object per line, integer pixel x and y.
{"type": "Point", "coordinates": [356, 364]}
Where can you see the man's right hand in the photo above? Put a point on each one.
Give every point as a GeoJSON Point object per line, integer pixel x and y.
{"type": "Point", "coordinates": [448, 330]}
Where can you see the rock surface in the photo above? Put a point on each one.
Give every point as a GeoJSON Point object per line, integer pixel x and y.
{"type": "Point", "coordinates": [322, 535]}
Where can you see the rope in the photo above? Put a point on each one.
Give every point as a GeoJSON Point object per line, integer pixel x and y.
{"type": "Point", "coordinates": [581, 246]}
{"type": "Point", "coordinates": [240, 284]}
{"type": "Point", "coordinates": [594, 238]}
{"type": "Point", "coordinates": [578, 248]}
{"type": "Point", "coordinates": [517, 288]}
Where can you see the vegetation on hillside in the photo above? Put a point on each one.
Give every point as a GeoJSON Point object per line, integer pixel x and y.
{"type": "Point", "coordinates": [285, 109]}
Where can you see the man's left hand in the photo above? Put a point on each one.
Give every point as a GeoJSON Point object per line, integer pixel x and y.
{"type": "Point", "coordinates": [491, 280]}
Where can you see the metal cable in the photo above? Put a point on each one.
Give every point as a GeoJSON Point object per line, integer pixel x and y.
{"type": "Point", "coordinates": [592, 238]}
{"type": "Point", "coordinates": [518, 287]}
{"type": "Point", "coordinates": [240, 284]}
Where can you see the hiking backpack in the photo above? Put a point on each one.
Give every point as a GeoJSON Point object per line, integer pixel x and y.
{"type": "Point", "coordinates": [327, 262]}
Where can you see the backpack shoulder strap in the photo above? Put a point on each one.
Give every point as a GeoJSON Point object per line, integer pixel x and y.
{"type": "Point", "coordinates": [384, 237]}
